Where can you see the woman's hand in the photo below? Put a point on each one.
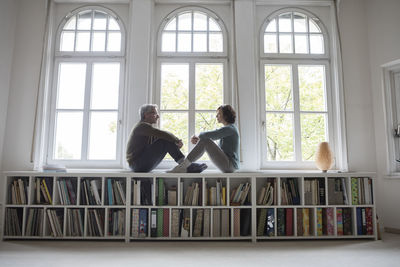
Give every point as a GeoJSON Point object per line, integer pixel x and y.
{"type": "Point", "coordinates": [194, 139]}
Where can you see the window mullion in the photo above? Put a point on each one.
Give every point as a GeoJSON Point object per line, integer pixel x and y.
{"type": "Point", "coordinates": [192, 95]}
{"type": "Point", "coordinates": [296, 107]}
{"type": "Point", "coordinates": [86, 112]}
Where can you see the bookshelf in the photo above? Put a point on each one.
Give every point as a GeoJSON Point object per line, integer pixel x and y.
{"type": "Point", "coordinates": [129, 206]}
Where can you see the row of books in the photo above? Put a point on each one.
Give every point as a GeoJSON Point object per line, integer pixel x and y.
{"type": "Point", "coordinates": [364, 221]}
{"type": "Point", "coordinates": [290, 191]}
{"type": "Point", "coordinates": [116, 222]}
{"type": "Point", "coordinates": [240, 195]}
{"type": "Point", "coordinates": [142, 190]}
{"type": "Point", "coordinates": [17, 192]}
{"type": "Point", "coordinates": [314, 191]}
{"type": "Point", "coordinates": [34, 223]}
{"type": "Point", "coordinates": [268, 194]}
{"type": "Point", "coordinates": [166, 195]}
{"type": "Point", "coordinates": [192, 195]}
{"type": "Point", "coordinates": [361, 191]}
{"type": "Point", "coordinates": [115, 193]}
{"type": "Point", "coordinates": [55, 218]}
{"type": "Point", "coordinates": [66, 192]}
{"type": "Point", "coordinates": [215, 195]}
{"type": "Point", "coordinates": [337, 191]}
{"type": "Point", "coordinates": [95, 222]}
{"type": "Point", "coordinates": [90, 194]}
{"type": "Point", "coordinates": [74, 222]}
{"type": "Point", "coordinates": [43, 191]}
{"type": "Point", "coordinates": [12, 226]}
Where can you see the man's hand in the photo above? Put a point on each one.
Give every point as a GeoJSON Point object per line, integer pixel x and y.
{"type": "Point", "coordinates": [194, 139]}
{"type": "Point", "coordinates": [179, 143]}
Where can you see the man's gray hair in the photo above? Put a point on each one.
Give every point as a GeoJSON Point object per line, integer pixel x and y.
{"type": "Point", "coordinates": [145, 109]}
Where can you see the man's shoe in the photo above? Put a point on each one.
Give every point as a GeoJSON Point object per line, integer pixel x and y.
{"type": "Point", "coordinates": [196, 168]}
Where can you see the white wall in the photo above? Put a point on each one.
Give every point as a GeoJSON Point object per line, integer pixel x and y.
{"type": "Point", "coordinates": [8, 14]}
{"type": "Point", "coordinates": [384, 46]}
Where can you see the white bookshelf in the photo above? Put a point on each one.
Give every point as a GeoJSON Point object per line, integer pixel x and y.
{"type": "Point", "coordinates": [331, 224]}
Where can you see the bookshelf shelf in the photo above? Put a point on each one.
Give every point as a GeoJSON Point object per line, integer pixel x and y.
{"type": "Point", "coordinates": [164, 206]}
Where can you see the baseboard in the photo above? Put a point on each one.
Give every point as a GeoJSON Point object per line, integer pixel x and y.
{"type": "Point", "coordinates": [392, 230]}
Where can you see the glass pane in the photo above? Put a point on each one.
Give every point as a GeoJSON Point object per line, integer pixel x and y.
{"type": "Point", "coordinates": [99, 41]}
{"type": "Point", "coordinates": [299, 21]}
{"type": "Point", "coordinates": [216, 42]}
{"type": "Point", "coordinates": [85, 20]}
{"type": "Point", "coordinates": [313, 26]}
{"type": "Point", "coordinates": [168, 42]}
{"type": "Point", "coordinates": [285, 22]}
{"type": "Point", "coordinates": [82, 41]}
{"type": "Point", "coordinates": [200, 22]}
{"type": "Point", "coordinates": [114, 41]}
{"type": "Point", "coordinates": [213, 25]}
{"type": "Point", "coordinates": [105, 85]}
{"type": "Point", "coordinates": [103, 135]}
{"type": "Point", "coordinates": [176, 123]}
{"type": "Point", "coordinates": [174, 86]}
{"type": "Point", "coordinates": [71, 24]}
{"type": "Point", "coordinates": [271, 26]}
{"type": "Point", "coordinates": [71, 86]}
{"type": "Point", "coordinates": [280, 136]}
{"type": "Point", "coordinates": [185, 22]}
{"type": "Point", "coordinates": [270, 43]}
{"type": "Point", "coordinates": [184, 42]}
{"type": "Point", "coordinates": [301, 44]}
{"type": "Point", "coordinates": [316, 44]}
{"type": "Point", "coordinates": [313, 131]}
{"type": "Point", "coordinates": [285, 43]}
{"type": "Point", "coordinates": [205, 121]}
{"type": "Point", "coordinates": [278, 87]}
{"type": "Point", "coordinates": [171, 26]}
{"type": "Point", "coordinates": [312, 88]}
{"type": "Point", "coordinates": [113, 24]}
{"type": "Point", "coordinates": [68, 135]}
{"type": "Point", "coordinates": [67, 41]}
{"type": "Point", "coordinates": [209, 86]}
{"type": "Point", "coordinates": [100, 21]}
{"type": "Point", "coordinates": [200, 42]}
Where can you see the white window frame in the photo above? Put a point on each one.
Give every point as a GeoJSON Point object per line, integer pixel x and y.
{"type": "Point", "coordinates": [191, 58]}
{"type": "Point", "coordinates": [331, 101]}
{"type": "Point", "coordinates": [89, 58]}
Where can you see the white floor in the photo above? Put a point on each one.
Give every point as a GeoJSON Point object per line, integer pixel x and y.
{"type": "Point", "coordinates": [319, 253]}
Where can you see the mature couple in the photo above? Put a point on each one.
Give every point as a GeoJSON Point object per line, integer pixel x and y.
{"type": "Point", "coordinates": [147, 145]}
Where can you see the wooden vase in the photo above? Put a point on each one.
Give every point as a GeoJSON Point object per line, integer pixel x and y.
{"type": "Point", "coordinates": [324, 157]}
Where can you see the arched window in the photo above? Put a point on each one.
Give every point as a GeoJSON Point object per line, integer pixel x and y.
{"type": "Point", "coordinates": [192, 72]}
{"type": "Point", "coordinates": [296, 102]}
{"type": "Point", "coordinates": [86, 90]}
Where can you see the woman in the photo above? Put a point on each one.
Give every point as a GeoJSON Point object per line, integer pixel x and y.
{"type": "Point", "coordinates": [225, 155]}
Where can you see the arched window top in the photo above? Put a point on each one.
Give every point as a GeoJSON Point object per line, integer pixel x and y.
{"type": "Point", "coordinates": [293, 32]}
{"type": "Point", "coordinates": [91, 30]}
{"type": "Point", "coordinates": [192, 31]}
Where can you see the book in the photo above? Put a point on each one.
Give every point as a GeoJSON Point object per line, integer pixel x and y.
{"type": "Point", "coordinates": [339, 221]}
{"type": "Point", "coordinates": [245, 222]}
{"type": "Point", "coordinates": [135, 223]}
{"type": "Point", "coordinates": [236, 222]}
{"type": "Point", "coordinates": [198, 223]}
{"type": "Point", "coordinates": [216, 223]}
{"type": "Point", "coordinates": [289, 222]}
{"type": "Point", "coordinates": [165, 223]}
{"type": "Point", "coordinates": [281, 222]}
{"type": "Point", "coordinates": [206, 223]}
{"type": "Point", "coordinates": [95, 190]}
{"type": "Point", "coordinates": [175, 218]}
{"type": "Point", "coordinates": [299, 219]}
{"type": "Point", "coordinates": [153, 221]}
{"type": "Point", "coordinates": [270, 229]}
{"type": "Point", "coordinates": [143, 223]}
{"type": "Point", "coordinates": [225, 222]}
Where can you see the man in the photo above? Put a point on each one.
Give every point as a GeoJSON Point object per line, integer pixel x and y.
{"type": "Point", "coordinates": [147, 145]}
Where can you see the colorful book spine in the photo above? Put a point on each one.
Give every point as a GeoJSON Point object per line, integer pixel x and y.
{"type": "Point", "coordinates": [261, 222]}
{"type": "Point", "coordinates": [166, 223]}
{"type": "Point", "coordinates": [299, 215]}
{"type": "Point", "coordinates": [359, 221]}
{"type": "Point", "coordinates": [319, 222]}
{"type": "Point", "coordinates": [160, 222]}
{"type": "Point", "coordinates": [306, 222]}
{"type": "Point", "coordinates": [339, 219]}
{"type": "Point", "coordinates": [270, 231]}
{"type": "Point", "coordinates": [330, 221]}
{"type": "Point", "coordinates": [354, 191]}
{"type": "Point", "coordinates": [281, 222]}
{"type": "Point", "coordinates": [370, 228]}
{"type": "Point", "coordinates": [289, 222]}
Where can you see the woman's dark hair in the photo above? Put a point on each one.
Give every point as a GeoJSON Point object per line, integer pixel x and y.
{"type": "Point", "coordinates": [228, 113]}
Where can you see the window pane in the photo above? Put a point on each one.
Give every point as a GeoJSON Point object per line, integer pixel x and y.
{"type": "Point", "coordinates": [200, 42]}
{"type": "Point", "coordinates": [301, 43]}
{"type": "Point", "coordinates": [285, 22]}
{"type": "Point", "coordinates": [313, 131]}
{"type": "Point", "coordinates": [174, 86]}
{"type": "Point", "coordinates": [185, 22]}
{"type": "Point", "coordinates": [299, 22]}
{"type": "Point", "coordinates": [184, 42]}
{"type": "Point", "coordinates": [85, 20]}
{"type": "Point", "coordinates": [105, 85]}
{"type": "Point", "coordinates": [82, 41]}
{"type": "Point", "coordinates": [113, 24]}
{"type": "Point", "coordinates": [270, 43]}
{"type": "Point", "coordinates": [313, 26]}
{"type": "Point", "coordinates": [205, 121]}
{"type": "Point", "coordinates": [312, 88]}
{"type": "Point", "coordinates": [68, 135]}
{"type": "Point", "coordinates": [176, 123]}
{"type": "Point", "coordinates": [213, 25]}
{"type": "Point", "coordinates": [200, 22]}
{"type": "Point", "coordinates": [67, 41]}
{"type": "Point", "coordinates": [103, 135]}
{"type": "Point", "coordinates": [209, 86]}
{"type": "Point", "coordinates": [285, 43]}
{"type": "Point", "coordinates": [316, 44]}
{"type": "Point", "coordinates": [71, 85]}
{"type": "Point", "coordinates": [114, 41]}
{"type": "Point", "coordinates": [278, 87]}
{"type": "Point", "coordinates": [99, 41]}
{"type": "Point", "coordinates": [271, 26]}
{"type": "Point", "coordinates": [171, 26]}
{"type": "Point", "coordinates": [216, 42]}
{"type": "Point", "coordinates": [168, 42]}
{"type": "Point", "coordinates": [280, 136]}
{"type": "Point", "coordinates": [100, 21]}
{"type": "Point", "coordinates": [71, 24]}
